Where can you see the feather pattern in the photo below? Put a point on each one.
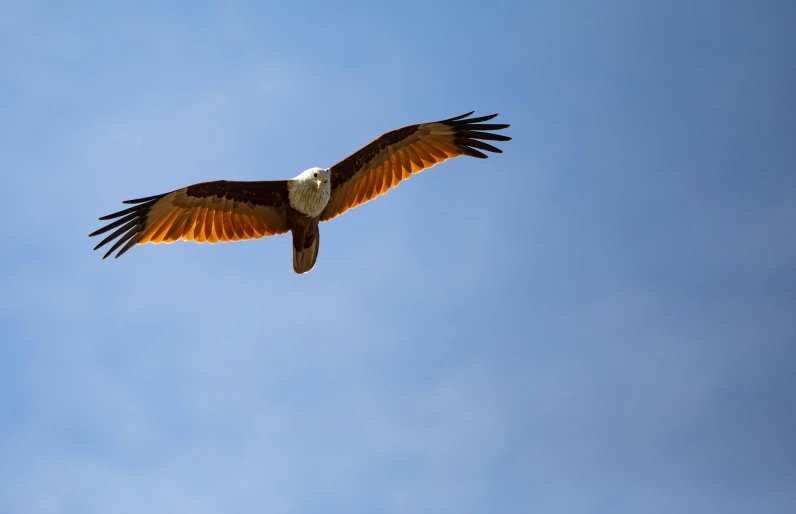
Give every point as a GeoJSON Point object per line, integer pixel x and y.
{"type": "Point", "coordinates": [212, 212]}
{"type": "Point", "coordinates": [397, 155]}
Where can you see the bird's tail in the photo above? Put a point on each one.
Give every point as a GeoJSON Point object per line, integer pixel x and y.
{"type": "Point", "coordinates": [304, 258]}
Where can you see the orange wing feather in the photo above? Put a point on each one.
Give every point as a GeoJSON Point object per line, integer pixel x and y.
{"type": "Point", "coordinates": [212, 212]}
{"type": "Point", "coordinates": [397, 155]}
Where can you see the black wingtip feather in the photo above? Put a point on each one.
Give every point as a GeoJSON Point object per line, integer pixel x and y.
{"type": "Point", "coordinates": [469, 134]}
{"type": "Point", "coordinates": [485, 135]}
{"type": "Point", "coordinates": [142, 200]}
{"type": "Point", "coordinates": [116, 234]}
{"type": "Point", "coordinates": [121, 241]}
{"type": "Point", "coordinates": [129, 245]}
{"type": "Point", "coordinates": [455, 118]}
{"type": "Point", "coordinates": [115, 224]}
{"type": "Point", "coordinates": [470, 121]}
{"type": "Point", "coordinates": [466, 150]}
{"type": "Point", "coordinates": [474, 143]}
{"type": "Point", "coordinates": [131, 209]}
{"type": "Point", "coordinates": [488, 126]}
{"type": "Point", "coordinates": [132, 221]}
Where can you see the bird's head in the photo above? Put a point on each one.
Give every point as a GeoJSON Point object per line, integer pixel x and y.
{"type": "Point", "coordinates": [316, 177]}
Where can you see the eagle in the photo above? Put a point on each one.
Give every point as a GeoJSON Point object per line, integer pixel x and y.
{"type": "Point", "coordinates": [224, 210]}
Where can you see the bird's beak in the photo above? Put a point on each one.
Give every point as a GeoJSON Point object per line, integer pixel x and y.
{"type": "Point", "coordinates": [319, 182]}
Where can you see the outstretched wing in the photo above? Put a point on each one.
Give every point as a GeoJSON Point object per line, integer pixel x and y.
{"type": "Point", "coordinates": [206, 212]}
{"type": "Point", "coordinates": [395, 156]}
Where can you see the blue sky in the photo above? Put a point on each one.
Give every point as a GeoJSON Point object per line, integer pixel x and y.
{"type": "Point", "coordinates": [599, 320]}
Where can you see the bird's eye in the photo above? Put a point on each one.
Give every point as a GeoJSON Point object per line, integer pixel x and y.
{"type": "Point", "coordinates": [315, 175]}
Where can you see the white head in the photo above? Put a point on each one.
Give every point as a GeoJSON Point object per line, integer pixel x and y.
{"type": "Point", "coordinates": [315, 177]}
{"type": "Point", "coordinates": [309, 192]}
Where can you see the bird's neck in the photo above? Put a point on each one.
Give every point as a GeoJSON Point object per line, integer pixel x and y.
{"type": "Point", "coordinates": [306, 198]}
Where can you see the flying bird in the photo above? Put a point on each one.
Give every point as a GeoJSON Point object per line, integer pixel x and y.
{"type": "Point", "coordinates": [226, 210]}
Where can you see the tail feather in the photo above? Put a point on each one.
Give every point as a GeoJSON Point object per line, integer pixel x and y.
{"type": "Point", "coordinates": [304, 259]}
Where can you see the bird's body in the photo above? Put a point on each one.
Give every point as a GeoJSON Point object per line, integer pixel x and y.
{"type": "Point", "coordinates": [308, 195]}
{"type": "Point", "coordinates": [309, 192]}
{"type": "Point", "coordinates": [235, 211]}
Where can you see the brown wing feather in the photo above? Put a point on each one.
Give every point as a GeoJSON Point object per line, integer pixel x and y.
{"type": "Point", "coordinates": [211, 211]}
{"type": "Point", "coordinates": [395, 156]}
